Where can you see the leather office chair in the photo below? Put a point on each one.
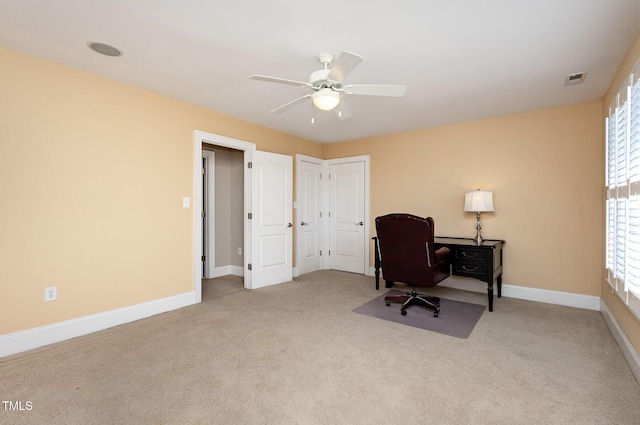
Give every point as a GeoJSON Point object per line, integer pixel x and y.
{"type": "Point", "coordinates": [407, 254]}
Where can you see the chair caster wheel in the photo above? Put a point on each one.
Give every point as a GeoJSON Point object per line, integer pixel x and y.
{"type": "Point", "coordinates": [404, 313]}
{"type": "Point", "coordinates": [388, 303]}
{"type": "Point", "coordinates": [435, 314]}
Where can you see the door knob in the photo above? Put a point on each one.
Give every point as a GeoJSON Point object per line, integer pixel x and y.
{"type": "Point", "coordinates": [302, 223]}
{"type": "Point", "coordinates": [289, 225]}
{"type": "Point", "coordinates": [360, 224]}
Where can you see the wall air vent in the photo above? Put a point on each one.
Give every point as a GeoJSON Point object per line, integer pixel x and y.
{"type": "Point", "coordinates": [573, 79]}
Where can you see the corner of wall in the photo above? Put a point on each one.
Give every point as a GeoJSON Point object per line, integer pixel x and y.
{"type": "Point", "coordinates": [629, 353]}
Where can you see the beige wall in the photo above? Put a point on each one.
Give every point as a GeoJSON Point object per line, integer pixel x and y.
{"type": "Point", "coordinates": [92, 175]}
{"type": "Point", "coordinates": [545, 168]}
{"type": "Point", "coordinates": [236, 202]}
{"type": "Point", "coordinates": [627, 321]}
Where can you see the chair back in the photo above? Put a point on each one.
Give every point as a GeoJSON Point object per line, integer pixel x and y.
{"type": "Point", "coordinates": [407, 252]}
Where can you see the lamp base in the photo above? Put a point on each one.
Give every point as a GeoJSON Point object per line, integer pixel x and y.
{"type": "Point", "coordinates": [478, 238]}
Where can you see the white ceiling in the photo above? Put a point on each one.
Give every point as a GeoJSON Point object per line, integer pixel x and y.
{"type": "Point", "coordinates": [460, 60]}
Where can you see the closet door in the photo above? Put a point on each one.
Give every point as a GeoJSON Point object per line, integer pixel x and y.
{"type": "Point", "coordinates": [347, 217]}
{"type": "Point", "coordinates": [309, 223]}
{"type": "Point", "coordinates": [271, 219]}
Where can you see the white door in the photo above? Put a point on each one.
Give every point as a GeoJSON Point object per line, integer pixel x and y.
{"type": "Point", "coordinates": [347, 216]}
{"type": "Point", "coordinates": [308, 174]}
{"type": "Point", "coordinates": [271, 223]}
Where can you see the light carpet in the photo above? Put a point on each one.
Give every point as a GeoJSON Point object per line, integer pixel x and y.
{"type": "Point", "coordinates": [296, 353]}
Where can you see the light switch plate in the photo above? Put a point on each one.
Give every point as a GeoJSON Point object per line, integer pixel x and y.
{"type": "Point", "coordinates": [186, 202]}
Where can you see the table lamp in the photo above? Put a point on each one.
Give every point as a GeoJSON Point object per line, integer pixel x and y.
{"type": "Point", "coordinates": [478, 201]}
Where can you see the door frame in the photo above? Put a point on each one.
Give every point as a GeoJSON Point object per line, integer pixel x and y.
{"type": "Point", "coordinates": [201, 137]}
{"type": "Point", "coordinates": [367, 212]}
{"type": "Point", "coordinates": [209, 234]}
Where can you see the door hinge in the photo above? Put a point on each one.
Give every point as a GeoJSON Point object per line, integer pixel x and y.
{"type": "Point", "coordinates": [321, 253]}
{"type": "Point", "coordinates": [204, 214]}
{"type": "Point", "coordinates": [204, 171]}
{"type": "Point", "coordinates": [204, 258]}
{"type": "Point", "coordinates": [250, 164]}
{"type": "Point", "coordinates": [249, 266]}
{"type": "Point", "coordinates": [320, 214]}
{"type": "Point", "coordinates": [250, 216]}
{"type": "Point", "coordinates": [329, 253]}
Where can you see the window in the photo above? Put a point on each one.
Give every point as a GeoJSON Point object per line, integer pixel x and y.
{"type": "Point", "coordinates": [623, 192]}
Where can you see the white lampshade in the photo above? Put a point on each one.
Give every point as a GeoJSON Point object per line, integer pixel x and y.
{"type": "Point", "coordinates": [478, 201]}
{"type": "Point", "coordinates": [326, 99]}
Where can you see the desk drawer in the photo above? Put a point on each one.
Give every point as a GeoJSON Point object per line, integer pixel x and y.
{"type": "Point", "coordinates": [470, 269]}
{"type": "Point", "coordinates": [470, 254]}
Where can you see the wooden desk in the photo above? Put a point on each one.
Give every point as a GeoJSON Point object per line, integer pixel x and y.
{"type": "Point", "coordinates": [482, 262]}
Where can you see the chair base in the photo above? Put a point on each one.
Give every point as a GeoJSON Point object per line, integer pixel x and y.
{"type": "Point", "coordinates": [411, 298]}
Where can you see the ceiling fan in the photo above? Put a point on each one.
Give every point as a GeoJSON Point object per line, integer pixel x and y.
{"type": "Point", "coordinates": [328, 87]}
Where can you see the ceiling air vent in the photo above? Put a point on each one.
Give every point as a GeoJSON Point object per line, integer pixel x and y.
{"type": "Point", "coordinates": [104, 49]}
{"type": "Point", "coordinates": [573, 79]}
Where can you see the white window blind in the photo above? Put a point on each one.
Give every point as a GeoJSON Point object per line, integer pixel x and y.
{"type": "Point", "coordinates": [621, 144]}
{"type": "Point", "coordinates": [622, 247]}
{"type": "Point", "coordinates": [634, 132]}
{"type": "Point", "coordinates": [611, 148]}
{"type": "Point", "coordinates": [632, 277]}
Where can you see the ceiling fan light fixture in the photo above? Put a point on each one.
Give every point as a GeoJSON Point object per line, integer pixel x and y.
{"type": "Point", "coordinates": [326, 99]}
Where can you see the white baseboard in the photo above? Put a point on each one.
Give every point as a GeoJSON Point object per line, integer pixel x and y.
{"type": "Point", "coordinates": [227, 270]}
{"type": "Point", "coordinates": [588, 302]}
{"type": "Point", "coordinates": [629, 353]}
{"type": "Point", "coordinates": [18, 342]}
{"type": "Point", "coordinates": [568, 299]}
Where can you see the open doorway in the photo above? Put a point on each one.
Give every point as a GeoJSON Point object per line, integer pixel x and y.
{"type": "Point", "coordinates": [222, 218]}
{"type": "Point", "coordinates": [267, 213]}
{"type": "Point", "coordinates": [223, 206]}
{"type": "Point", "coordinates": [246, 149]}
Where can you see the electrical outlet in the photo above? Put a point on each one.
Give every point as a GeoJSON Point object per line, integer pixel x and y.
{"type": "Point", "coordinates": [239, 251]}
{"type": "Point", "coordinates": [50, 293]}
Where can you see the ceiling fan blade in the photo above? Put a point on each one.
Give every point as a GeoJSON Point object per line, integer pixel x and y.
{"type": "Point", "coordinates": [376, 90]}
{"type": "Point", "coordinates": [279, 80]}
{"type": "Point", "coordinates": [343, 66]}
{"type": "Point", "coordinates": [343, 112]}
{"type": "Point", "coordinates": [290, 105]}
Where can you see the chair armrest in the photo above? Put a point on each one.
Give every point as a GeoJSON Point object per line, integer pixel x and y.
{"type": "Point", "coordinates": [442, 252]}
